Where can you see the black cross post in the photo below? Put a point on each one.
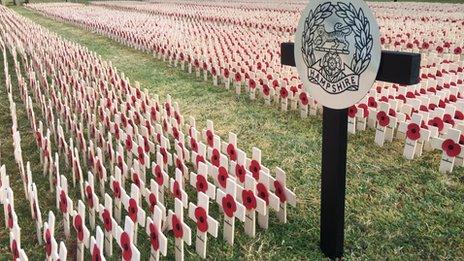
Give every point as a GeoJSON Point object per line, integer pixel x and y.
{"type": "Point", "coordinates": [395, 67]}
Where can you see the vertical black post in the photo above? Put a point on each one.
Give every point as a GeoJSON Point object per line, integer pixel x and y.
{"type": "Point", "coordinates": [333, 180]}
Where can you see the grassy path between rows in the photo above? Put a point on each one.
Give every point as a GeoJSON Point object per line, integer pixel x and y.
{"type": "Point", "coordinates": [394, 208]}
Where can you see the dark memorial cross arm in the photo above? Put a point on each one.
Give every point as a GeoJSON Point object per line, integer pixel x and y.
{"type": "Point", "coordinates": [395, 67]}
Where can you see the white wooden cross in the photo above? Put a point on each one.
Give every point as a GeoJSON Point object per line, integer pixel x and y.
{"type": "Point", "coordinates": [15, 244]}
{"type": "Point", "coordinates": [238, 168]}
{"type": "Point", "coordinates": [415, 136]}
{"type": "Point", "coordinates": [449, 145]}
{"type": "Point", "coordinates": [252, 203]}
{"type": "Point", "coordinates": [200, 181]}
{"type": "Point", "coordinates": [385, 123]}
{"type": "Point", "coordinates": [134, 209]}
{"type": "Point", "coordinates": [205, 223]}
{"type": "Point", "coordinates": [160, 175]}
{"type": "Point", "coordinates": [285, 195]}
{"type": "Point", "coordinates": [158, 241]}
{"type": "Point", "coordinates": [96, 245]}
{"type": "Point", "coordinates": [163, 150]}
{"type": "Point", "coordinates": [264, 192]}
{"type": "Point", "coordinates": [49, 236]}
{"type": "Point", "coordinates": [106, 216]}
{"type": "Point", "coordinates": [116, 187]}
{"type": "Point", "coordinates": [177, 188]}
{"type": "Point", "coordinates": [35, 210]}
{"type": "Point", "coordinates": [125, 239]}
{"type": "Point", "coordinates": [181, 231]}
{"type": "Point", "coordinates": [232, 209]}
{"type": "Point", "coordinates": [230, 148]}
{"type": "Point", "coordinates": [64, 203]}
{"type": "Point", "coordinates": [152, 198]}
{"type": "Point", "coordinates": [62, 252]}
{"type": "Point", "coordinates": [82, 233]}
{"type": "Point", "coordinates": [91, 198]}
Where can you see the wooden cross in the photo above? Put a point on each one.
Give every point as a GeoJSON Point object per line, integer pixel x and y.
{"type": "Point", "coordinates": [96, 245]}
{"type": "Point", "coordinates": [91, 198]}
{"type": "Point", "coordinates": [134, 209]}
{"type": "Point", "coordinates": [264, 192]}
{"type": "Point", "coordinates": [152, 198]}
{"type": "Point", "coordinates": [449, 145]}
{"type": "Point", "coordinates": [415, 136]}
{"type": "Point", "coordinates": [232, 209]}
{"type": "Point", "coordinates": [205, 223]}
{"type": "Point", "coordinates": [158, 241]}
{"type": "Point", "coordinates": [116, 187]}
{"type": "Point", "coordinates": [125, 239]}
{"type": "Point", "coordinates": [395, 67]}
{"type": "Point", "coordinates": [82, 233]}
{"type": "Point", "coordinates": [181, 230]}
{"type": "Point", "coordinates": [252, 203]}
{"type": "Point", "coordinates": [285, 195]}
{"type": "Point", "coordinates": [177, 188]}
{"type": "Point", "coordinates": [161, 177]}
{"type": "Point", "coordinates": [106, 216]}
{"type": "Point", "coordinates": [15, 244]}
{"type": "Point", "coordinates": [64, 203]}
{"type": "Point", "coordinates": [35, 210]}
{"type": "Point", "coordinates": [49, 236]}
{"type": "Point", "coordinates": [200, 181]}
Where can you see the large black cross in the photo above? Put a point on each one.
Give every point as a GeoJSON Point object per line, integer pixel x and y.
{"type": "Point", "coordinates": [395, 67]}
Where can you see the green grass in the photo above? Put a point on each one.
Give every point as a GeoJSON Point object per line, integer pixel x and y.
{"type": "Point", "coordinates": [395, 208]}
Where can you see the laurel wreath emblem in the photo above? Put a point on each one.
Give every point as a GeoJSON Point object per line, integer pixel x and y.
{"type": "Point", "coordinates": [355, 19]}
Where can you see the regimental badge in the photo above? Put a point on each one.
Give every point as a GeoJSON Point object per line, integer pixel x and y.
{"type": "Point", "coordinates": [337, 51]}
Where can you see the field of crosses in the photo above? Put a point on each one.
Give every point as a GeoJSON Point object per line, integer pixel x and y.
{"type": "Point", "coordinates": [124, 166]}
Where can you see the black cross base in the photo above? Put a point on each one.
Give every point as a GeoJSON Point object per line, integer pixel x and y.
{"type": "Point", "coordinates": [395, 67]}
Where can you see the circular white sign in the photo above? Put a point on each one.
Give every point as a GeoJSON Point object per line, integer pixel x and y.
{"type": "Point", "coordinates": [337, 51]}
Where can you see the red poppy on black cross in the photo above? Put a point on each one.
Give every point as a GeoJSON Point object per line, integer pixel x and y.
{"type": "Point", "coordinates": [51, 247]}
{"type": "Point", "coordinates": [64, 202]}
{"type": "Point", "coordinates": [181, 230]}
{"type": "Point", "coordinates": [415, 135]}
{"type": "Point", "coordinates": [177, 188]}
{"type": "Point", "coordinates": [105, 212]}
{"type": "Point", "coordinates": [91, 198]}
{"type": "Point", "coordinates": [134, 208]}
{"type": "Point", "coordinates": [205, 223]}
{"type": "Point", "coordinates": [232, 209]}
{"type": "Point", "coordinates": [160, 175]}
{"type": "Point", "coordinates": [96, 246]}
{"type": "Point", "coordinates": [199, 156]}
{"type": "Point", "coordinates": [158, 240]}
{"type": "Point", "coordinates": [82, 233]}
{"type": "Point", "coordinates": [249, 198]}
{"type": "Point", "coordinates": [230, 148]}
{"type": "Point", "coordinates": [125, 240]}
{"type": "Point", "coordinates": [200, 181]}
{"type": "Point", "coordinates": [117, 187]}
{"type": "Point", "coordinates": [452, 150]}
{"type": "Point", "coordinates": [264, 192]}
{"type": "Point", "coordinates": [285, 195]}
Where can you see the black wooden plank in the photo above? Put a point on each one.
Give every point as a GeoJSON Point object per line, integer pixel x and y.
{"type": "Point", "coordinates": [395, 67]}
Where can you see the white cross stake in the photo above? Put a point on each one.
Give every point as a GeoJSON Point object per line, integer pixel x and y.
{"type": "Point", "coordinates": [152, 198]}
{"type": "Point", "coordinates": [96, 245]}
{"type": "Point", "coordinates": [129, 251]}
{"type": "Point", "coordinates": [285, 195]}
{"type": "Point", "coordinates": [271, 199]}
{"type": "Point", "coordinates": [451, 149]}
{"type": "Point", "coordinates": [415, 136]}
{"type": "Point", "coordinates": [49, 236]}
{"type": "Point", "coordinates": [106, 216]}
{"type": "Point", "coordinates": [116, 187]}
{"type": "Point", "coordinates": [161, 177]}
{"type": "Point", "coordinates": [133, 208]}
{"type": "Point", "coordinates": [64, 203]}
{"type": "Point", "coordinates": [35, 210]}
{"type": "Point", "coordinates": [158, 241]}
{"type": "Point", "coordinates": [181, 231]}
{"type": "Point", "coordinates": [232, 209]}
{"type": "Point", "coordinates": [177, 188]}
{"type": "Point", "coordinates": [205, 223]}
{"type": "Point", "coordinates": [82, 233]}
{"type": "Point", "coordinates": [91, 198]}
{"type": "Point", "coordinates": [200, 181]}
{"type": "Point", "coordinates": [252, 204]}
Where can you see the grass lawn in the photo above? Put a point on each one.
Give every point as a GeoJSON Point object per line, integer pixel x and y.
{"type": "Point", "coordinates": [394, 208]}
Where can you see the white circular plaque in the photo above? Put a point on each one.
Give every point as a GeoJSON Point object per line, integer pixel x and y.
{"type": "Point", "coordinates": [337, 51]}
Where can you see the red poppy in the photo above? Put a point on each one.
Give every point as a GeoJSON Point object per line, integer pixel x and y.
{"type": "Point", "coordinates": [352, 111]}
{"type": "Point", "coordinates": [133, 209]}
{"type": "Point", "coordinates": [413, 132]}
{"type": "Point", "coordinates": [457, 50]}
{"type": "Point", "coordinates": [125, 246]}
{"type": "Point", "coordinates": [304, 98]}
{"type": "Point", "coordinates": [193, 145]}
{"type": "Point", "coordinates": [266, 90]}
{"type": "Point", "coordinates": [255, 167]}
{"type": "Point", "coordinates": [439, 49]}
{"type": "Point", "coordinates": [226, 73]}
{"type": "Point", "coordinates": [153, 201]}
{"type": "Point", "coordinates": [199, 159]}
{"type": "Point", "coordinates": [89, 195]}
{"type": "Point", "coordinates": [176, 190]}
{"type": "Point", "coordinates": [251, 84]}
{"type": "Point", "coordinates": [448, 119]}
{"type": "Point", "coordinates": [461, 139]}
{"type": "Point", "coordinates": [48, 242]}
{"type": "Point", "coordinates": [78, 227]}
{"type": "Point", "coordinates": [280, 191]}
{"type": "Point", "coordinates": [107, 220]}
{"type": "Point", "coordinates": [283, 93]}
{"type": "Point", "coordinates": [63, 202]}
{"type": "Point", "coordinates": [232, 152]}
{"type": "Point", "coordinates": [201, 184]}
{"type": "Point", "coordinates": [228, 205]}
{"type": "Point", "coordinates": [164, 153]}
{"type": "Point", "coordinates": [96, 256]}
{"type": "Point", "coordinates": [240, 172]}
{"type": "Point", "coordinates": [136, 179]}
{"type": "Point", "coordinates": [222, 176]}
{"type": "Point", "coordinates": [262, 192]}
{"type": "Point", "coordinates": [129, 143]}
{"type": "Point", "coordinates": [154, 236]}
{"type": "Point", "coordinates": [458, 115]}
{"type": "Point", "coordinates": [238, 77]}
{"type": "Point", "coordinates": [177, 228]}
{"type": "Point", "coordinates": [249, 199]}
{"type": "Point", "coordinates": [202, 219]}
{"type": "Point", "coordinates": [14, 250]}
{"type": "Point", "coordinates": [437, 122]}
{"type": "Point", "coordinates": [371, 102]}
{"type": "Point", "coordinates": [365, 109]}
{"type": "Point", "coordinates": [383, 119]}
{"type": "Point", "coordinates": [210, 138]}
{"type": "Point", "coordinates": [215, 158]}
{"type": "Point", "coordinates": [451, 148]}
{"type": "Point", "coordinates": [141, 155]}
{"type": "Point", "coordinates": [425, 45]}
